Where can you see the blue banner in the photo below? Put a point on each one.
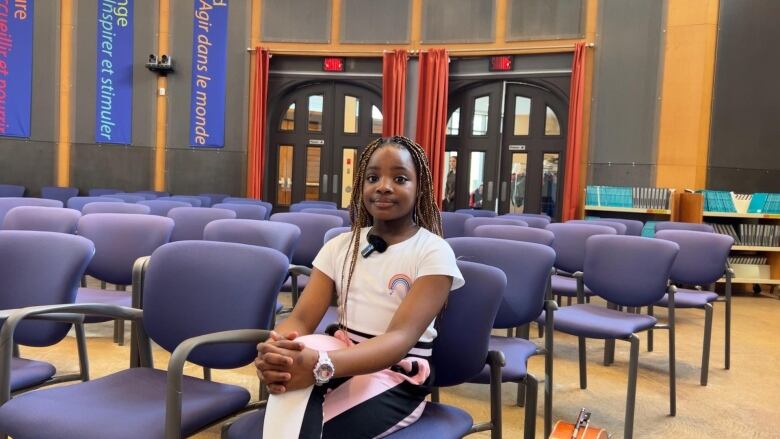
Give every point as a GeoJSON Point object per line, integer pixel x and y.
{"type": "Point", "coordinates": [209, 47]}
{"type": "Point", "coordinates": [16, 44]}
{"type": "Point", "coordinates": [114, 86]}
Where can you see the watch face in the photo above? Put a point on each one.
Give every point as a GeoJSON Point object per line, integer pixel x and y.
{"type": "Point", "coordinates": [324, 372]}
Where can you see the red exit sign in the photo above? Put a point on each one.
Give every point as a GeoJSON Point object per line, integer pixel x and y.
{"type": "Point", "coordinates": [501, 63]}
{"type": "Point", "coordinates": [332, 64]}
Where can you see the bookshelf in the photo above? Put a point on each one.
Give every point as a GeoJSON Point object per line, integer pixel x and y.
{"type": "Point", "coordinates": [637, 202]}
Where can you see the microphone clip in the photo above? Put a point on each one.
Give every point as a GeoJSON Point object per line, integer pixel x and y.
{"type": "Point", "coordinates": [375, 243]}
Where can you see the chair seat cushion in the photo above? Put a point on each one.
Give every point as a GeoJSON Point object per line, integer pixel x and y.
{"type": "Point", "coordinates": [331, 317]}
{"type": "Point", "coordinates": [26, 373]}
{"type": "Point", "coordinates": [566, 286]}
{"type": "Point", "coordinates": [685, 298]}
{"type": "Point", "coordinates": [129, 404]}
{"type": "Point", "coordinates": [303, 280]}
{"type": "Point", "coordinates": [595, 321]}
{"type": "Point", "coordinates": [98, 295]}
{"type": "Point", "coordinates": [517, 351]}
{"type": "Point", "coordinates": [437, 421]}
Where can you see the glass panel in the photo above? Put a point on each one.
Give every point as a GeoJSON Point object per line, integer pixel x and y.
{"type": "Point", "coordinates": [376, 120]}
{"type": "Point", "coordinates": [315, 113]}
{"type": "Point", "coordinates": [348, 157]}
{"type": "Point", "coordinates": [351, 114]}
{"type": "Point", "coordinates": [288, 120]}
{"type": "Point", "coordinates": [481, 108]}
{"type": "Point", "coordinates": [550, 183]}
{"type": "Point", "coordinates": [454, 123]}
{"type": "Point", "coordinates": [312, 173]}
{"type": "Point", "coordinates": [448, 183]}
{"type": "Point", "coordinates": [522, 115]}
{"type": "Point", "coordinates": [551, 125]}
{"type": "Point", "coordinates": [476, 175]}
{"type": "Point", "coordinates": [285, 166]}
{"type": "Point", "coordinates": [517, 182]}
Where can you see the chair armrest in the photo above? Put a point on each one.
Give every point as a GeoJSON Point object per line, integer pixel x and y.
{"type": "Point", "coordinates": [139, 272]}
{"type": "Point", "coordinates": [176, 369]}
{"type": "Point", "coordinates": [297, 270]}
{"type": "Point", "coordinates": [57, 317]}
{"type": "Point", "coordinates": [7, 331]}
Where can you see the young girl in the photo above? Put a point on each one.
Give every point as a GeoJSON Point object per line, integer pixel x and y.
{"type": "Point", "coordinates": [370, 378]}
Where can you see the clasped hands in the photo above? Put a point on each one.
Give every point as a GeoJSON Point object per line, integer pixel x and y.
{"type": "Point", "coordinates": [285, 364]}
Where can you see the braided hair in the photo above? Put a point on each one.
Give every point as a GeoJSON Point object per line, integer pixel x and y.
{"type": "Point", "coordinates": [425, 214]}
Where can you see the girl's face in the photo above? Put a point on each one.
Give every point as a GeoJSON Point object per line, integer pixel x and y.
{"type": "Point", "coordinates": [390, 185]}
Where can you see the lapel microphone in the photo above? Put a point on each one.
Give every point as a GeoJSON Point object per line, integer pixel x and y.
{"type": "Point", "coordinates": [374, 243]}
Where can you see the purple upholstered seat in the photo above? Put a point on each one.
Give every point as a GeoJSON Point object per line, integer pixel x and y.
{"type": "Point", "coordinates": [459, 352]}
{"type": "Point", "coordinates": [109, 207]}
{"type": "Point", "coordinates": [193, 200]}
{"type": "Point", "coordinates": [244, 210]}
{"type": "Point", "coordinates": [44, 219]}
{"type": "Point", "coordinates": [99, 192]}
{"type": "Point", "coordinates": [268, 206]}
{"type": "Point", "coordinates": [279, 236]}
{"type": "Point", "coordinates": [477, 212]}
{"type": "Point", "coordinates": [473, 223]}
{"type": "Point", "coordinates": [298, 207]}
{"type": "Point", "coordinates": [12, 190]}
{"type": "Point", "coordinates": [569, 246]}
{"type": "Point", "coordinates": [453, 224]}
{"type": "Point", "coordinates": [157, 194]}
{"type": "Point", "coordinates": [162, 207]}
{"type": "Point", "coordinates": [190, 289]}
{"type": "Point", "coordinates": [215, 198]}
{"type": "Point", "coordinates": [190, 221]}
{"type": "Point", "coordinates": [9, 203]}
{"type": "Point", "coordinates": [676, 225]}
{"type": "Point", "coordinates": [334, 232]}
{"type": "Point", "coordinates": [128, 198]}
{"type": "Point", "coordinates": [535, 221]}
{"type": "Point", "coordinates": [701, 262]}
{"type": "Point", "coordinates": [628, 271]}
{"type": "Point", "coordinates": [633, 227]}
{"type": "Point", "coordinates": [620, 228]}
{"type": "Point", "coordinates": [39, 268]}
{"type": "Point", "coordinates": [514, 233]}
{"type": "Point", "coordinates": [146, 195]}
{"type": "Point", "coordinates": [59, 193]}
{"type": "Point", "coordinates": [343, 214]}
{"type": "Point", "coordinates": [78, 203]}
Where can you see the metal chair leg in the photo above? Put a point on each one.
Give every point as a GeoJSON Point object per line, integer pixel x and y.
{"type": "Point", "coordinates": [650, 332]}
{"type": "Point", "coordinates": [495, 404]}
{"type": "Point", "coordinates": [672, 370]}
{"type": "Point", "coordinates": [705, 352]}
{"type": "Point", "coordinates": [120, 332]}
{"type": "Point", "coordinates": [728, 334]}
{"type": "Point", "coordinates": [633, 363]}
{"type": "Point", "coordinates": [521, 394]}
{"type": "Point", "coordinates": [207, 373]}
{"type": "Point", "coordinates": [81, 346]}
{"type": "Point", "coordinates": [15, 352]}
{"type": "Point", "coordinates": [529, 427]}
{"type": "Point", "coordinates": [583, 365]}
{"type": "Point", "coordinates": [435, 394]}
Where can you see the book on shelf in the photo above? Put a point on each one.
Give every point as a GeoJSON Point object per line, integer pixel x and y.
{"type": "Point", "coordinates": [628, 197]}
{"type": "Point", "coordinates": [756, 235]}
{"type": "Point", "coordinates": [748, 260]}
{"type": "Point", "coordinates": [723, 201]}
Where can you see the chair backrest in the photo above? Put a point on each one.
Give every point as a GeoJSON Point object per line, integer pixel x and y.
{"type": "Point", "coordinates": [676, 225]}
{"type": "Point", "coordinates": [278, 236]}
{"type": "Point", "coordinates": [619, 227]}
{"type": "Point", "coordinates": [205, 200]}
{"type": "Point", "coordinates": [477, 212]}
{"type": "Point", "coordinates": [59, 193]}
{"type": "Point", "coordinates": [145, 195]}
{"type": "Point", "coordinates": [244, 210]}
{"type": "Point", "coordinates": [11, 190]}
{"type": "Point", "coordinates": [43, 219]}
{"type": "Point", "coordinates": [628, 270]}
{"type": "Point", "coordinates": [569, 243]}
{"type": "Point", "coordinates": [297, 207]}
{"type": "Point", "coordinates": [461, 346]}
{"type": "Point", "coordinates": [268, 206]}
{"type": "Point", "coordinates": [41, 268]}
{"type": "Point", "coordinates": [98, 192]}
{"type": "Point", "coordinates": [453, 224]}
{"type": "Point", "coordinates": [162, 207]}
{"type": "Point", "coordinates": [633, 227]}
{"type": "Point", "coordinates": [215, 198]}
{"type": "Point", "coordinates": [190, 221]}
{"type": "Point", "coordinates": [473, 223]}
{"type": "Point", "coordinates": [535, 221]}
{"type": "Point", "coordinates": [129, 198]}
{"type": "Point", "coordinates": [343, 214]}
{"type": "Point", "coordinates": [197, 287]}
{"type": "Point", "coordinates": [194, 201]}
{"type": "Point", "coordinates": [514, 233]}
{"type": "Point", "coordinates": [527, 269]}
{"type": "Point", "coordinates": [327, 203]}
{"type": "Point", "coordinates": [78, 203]}
{"type": "Point", "coordinates": [535, 215]}
{"type": "Point", "coordinates": [120, 239]}
{"type": "Point", "coordinates": [313, 227]}
{"type": "Point", "coordinates": [9, 203]}
{"type": "Point", "coordinates": [156, 194]}
{"type": "Point", "coordinates": [702, 257]}
{"type": "Point", "coordinates": [104, 207]}
{"type": "Point", "coordinates": [334, 232]}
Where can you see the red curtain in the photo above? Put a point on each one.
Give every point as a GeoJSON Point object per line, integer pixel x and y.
{"type": "Point", "coordinates": [432, 111]}
{"type": "Point", "coordinates": [257, 124]}
{"type": "Point", "coordinates": [393, 92]}
{"type": "Point", "coordinates": [571, 183]}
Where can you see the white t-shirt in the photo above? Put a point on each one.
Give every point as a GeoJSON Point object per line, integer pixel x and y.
{"type": "Point", "coordinates": [381, 281]}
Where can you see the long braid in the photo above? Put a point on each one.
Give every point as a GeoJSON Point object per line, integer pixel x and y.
{"type": "Point", "coordinates": [426, 211]}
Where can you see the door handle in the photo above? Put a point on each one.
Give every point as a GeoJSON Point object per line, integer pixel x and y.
{"type": "Point", "coordinates": [335, 184]}
{"type": "Point", "coordinates": [289, 182]}
{"type": "Point", "coordinates": [324, 189]}
{"type": "Point", "coordinates": [490, 191]}
{"type": "Point", "coordinates": [503, 191]}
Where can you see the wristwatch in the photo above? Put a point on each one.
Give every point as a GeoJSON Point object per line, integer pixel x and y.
{"type": "Point", "coordinates": [324, 369]}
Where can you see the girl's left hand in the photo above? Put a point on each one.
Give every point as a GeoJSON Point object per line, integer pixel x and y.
{"type": "Point", "coordinates": [302, 369]}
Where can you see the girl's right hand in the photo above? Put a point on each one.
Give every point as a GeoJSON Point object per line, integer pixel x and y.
{"type": "Point", "coordinates": [274, 360]}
